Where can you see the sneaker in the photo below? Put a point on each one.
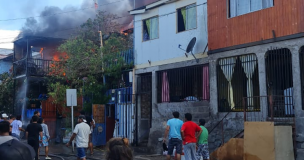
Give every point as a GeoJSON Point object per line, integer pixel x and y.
{"type": "Point", "coordinates": [48, 157]}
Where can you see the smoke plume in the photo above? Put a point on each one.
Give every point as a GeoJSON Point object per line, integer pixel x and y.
{"type": "Point", "coordinates": [60, 23]}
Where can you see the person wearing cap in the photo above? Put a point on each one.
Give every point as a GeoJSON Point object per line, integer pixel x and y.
{"type": "Point", "coordinates": [82, 133]}
{"type": "Point", "coordinates": [4, 117]}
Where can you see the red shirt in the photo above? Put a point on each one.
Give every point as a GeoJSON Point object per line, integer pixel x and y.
{"type": "Point", "coordinates": [190, 128]}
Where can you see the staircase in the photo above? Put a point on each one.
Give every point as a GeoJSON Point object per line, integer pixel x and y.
{"type": "Point", "coordinates": [227, 134]}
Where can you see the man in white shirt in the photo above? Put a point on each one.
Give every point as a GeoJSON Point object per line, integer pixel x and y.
{"type": "Point", "coordinates": [82, 133]}
{"type": "Point", "coordinates": [17, 127]}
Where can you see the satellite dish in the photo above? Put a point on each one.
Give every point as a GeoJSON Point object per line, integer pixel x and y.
{"type": "Point", "coordinates": [191, 45]}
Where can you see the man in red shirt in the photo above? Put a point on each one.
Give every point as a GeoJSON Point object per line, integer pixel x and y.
{"type": "Point", "coordinates": [188, 131]}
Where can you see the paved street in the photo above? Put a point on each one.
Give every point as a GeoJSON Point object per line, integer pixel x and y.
{"type": "Point", "coordinates": [61, 152]}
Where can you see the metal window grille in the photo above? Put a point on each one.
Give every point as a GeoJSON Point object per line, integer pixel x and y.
{"type": "Point", "coordinates": [302, 73]}
{"type": "Point", "coordinates": [233, 82]}
{"type": "Point", "coordinates": [279, 81]}
{"type": "Point", "coordinates": [183, 84]}
{"type": "Point", "coordinates": [144, 83]}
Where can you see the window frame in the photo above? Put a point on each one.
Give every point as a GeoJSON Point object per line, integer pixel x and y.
{"type": "Point", "coordinates": [182, 72]}
{"type": "Point", "coordinates": [218, 69]}
{"type": "Point", "coordinates": [229, 10]}
{"type": "Point", "coordinates": [176, 15]}
{"type": "Point", "coordinates": [142, 28]}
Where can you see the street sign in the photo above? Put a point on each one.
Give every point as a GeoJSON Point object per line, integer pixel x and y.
{"type": "Point", "coordinates": [71, 97]}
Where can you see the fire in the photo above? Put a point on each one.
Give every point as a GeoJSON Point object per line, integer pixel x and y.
{"type": "Point", "coordinates": [41, 49]}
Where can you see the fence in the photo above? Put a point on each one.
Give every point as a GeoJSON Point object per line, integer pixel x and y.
{"type": "Point", "coordinates": [278, 109]}
{"type": "Point", "coordinates": [183, 84]}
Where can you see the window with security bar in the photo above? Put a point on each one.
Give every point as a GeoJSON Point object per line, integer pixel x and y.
{"type": "Point", "coordinates": [183, 84]}
{"type": "Point", "coordinates": [237, 78]}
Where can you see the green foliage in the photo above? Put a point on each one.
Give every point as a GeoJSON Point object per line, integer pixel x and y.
{"type": "Point", "coordinates": [84, 59]}
{"type": "Point", "coordinates": [58, 92]}
{"type": "Point", "coordinates": [85, 64]}
{"type": "Point", "coordinates": [6, 92]}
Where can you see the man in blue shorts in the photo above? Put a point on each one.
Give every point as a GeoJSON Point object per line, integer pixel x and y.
{"type": "Point", "coordinates": [175, 139]}
{"type": "Point", "coordinates": [82, 133]}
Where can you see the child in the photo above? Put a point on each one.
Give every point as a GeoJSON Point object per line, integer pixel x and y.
{"type": "Point", "coordinates": [203, 149]}
{"type": "Point", "coordinates": [45, 138]}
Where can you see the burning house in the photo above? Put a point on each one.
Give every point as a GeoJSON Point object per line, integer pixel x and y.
{"type": "Point", "coordinates": [33, 60]}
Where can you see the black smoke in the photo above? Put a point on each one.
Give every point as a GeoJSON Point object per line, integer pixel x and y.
{"type": "Point", "coordinates": [61, 23]}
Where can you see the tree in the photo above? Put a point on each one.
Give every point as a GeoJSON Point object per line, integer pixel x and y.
{"type": "Point", "coordinates": [6, 92]}
{"type": "Point", "coordinates": [83, 65]}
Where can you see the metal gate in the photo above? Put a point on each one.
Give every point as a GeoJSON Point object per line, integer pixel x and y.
{"type": "Point", "coordinates": [99, 133]}
{"type": "Point", "coordinates": [124, 112]}
{"type": "Point", "coordinates": [144, 109]}
{"type": "Point", "coordinates": [279, 82]}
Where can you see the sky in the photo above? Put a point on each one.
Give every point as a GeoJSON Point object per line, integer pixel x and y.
{"type": "Point", "coordinates": [10, 9]}
{"type": "Point", "coordinates": [18, 9]}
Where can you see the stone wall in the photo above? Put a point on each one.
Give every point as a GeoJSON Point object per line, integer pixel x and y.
{"type": "Point", "coordinates": [294, 46]}
{"type": "Point", "coordinates": [162, 112]}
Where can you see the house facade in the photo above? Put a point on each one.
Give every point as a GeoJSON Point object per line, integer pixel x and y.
{"type": "Point", "coordinates": [6, 60]}
{"type": "Point", "coordinates": [256, 63]}
{"type": "Point", "coordinates": [166, 79]}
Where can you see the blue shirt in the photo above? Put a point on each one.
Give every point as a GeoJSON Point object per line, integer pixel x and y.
{"type": "Point", "coordinates": [175, 128]}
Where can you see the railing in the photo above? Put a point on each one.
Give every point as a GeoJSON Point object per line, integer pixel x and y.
{"type": "Point", "coordinates": [127, 57]}
{"type": "Point", "coordinates": [277, 109]}
{"type": "Point", "coordinates": [34, 67]}
{"type": "Point", "coordinates": [226, 134]}
{"type": "Point", "coordinates": [39, 67]}
{"type": "Point", "coordinates": [280, 109]}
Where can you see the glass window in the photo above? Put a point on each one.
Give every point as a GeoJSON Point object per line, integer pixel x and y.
{"type": "Point", "coordinates": [240, 7]}
{"type": "Point", "coordinates": [237, 77]}
{"type": "Point", "coordinates": [150, 29]}
{"type": "Point", "coordinates": [186, 18]}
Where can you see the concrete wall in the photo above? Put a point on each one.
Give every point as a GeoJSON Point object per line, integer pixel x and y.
{"type": "Point", "coordinates": [293, 45]}
{"type": "Point", "coordinates": [165, 49]}
{"type": "Point", "coordinates": [283, 143]}
{"type": "Point", "coordinates": [162, 112]}
{"type": "Point", "coordinates": [5, 66]}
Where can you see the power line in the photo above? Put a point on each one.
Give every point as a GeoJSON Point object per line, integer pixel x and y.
{"type": "Point", "coordinates": [60, 12]}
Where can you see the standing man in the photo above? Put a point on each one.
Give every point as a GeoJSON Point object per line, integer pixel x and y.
{"type": "Point", "coordinates": [82, 133]}
{"type": "Point", "coordinates": [4, 117]}
{"type": "Point", "coordinates": [203, 149]}
{"type": "Point", "coordinates": [174, 126]}
{"type": "Point", "coordinates": [17, 127]}
{"type": "Point", "coordinates": [33, 131]}
{"type": "Point", "coordinates": [12, 118]}
{"type": "Point", "coordinates": [188, 131]}
{"type": "Point", "coordinates": [36, 114]}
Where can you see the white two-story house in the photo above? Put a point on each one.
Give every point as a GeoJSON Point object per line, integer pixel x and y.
{"type": "Point", "coordinates": [166, 78]}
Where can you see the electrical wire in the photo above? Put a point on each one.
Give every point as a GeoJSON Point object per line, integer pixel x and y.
{"type": "Point", "coordinates": [159, 16]}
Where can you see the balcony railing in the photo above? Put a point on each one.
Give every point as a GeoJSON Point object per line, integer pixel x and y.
{"type": "Point", "coordinates": [33, 67]}
{"type": "Point", "coordinates": [127, 56]}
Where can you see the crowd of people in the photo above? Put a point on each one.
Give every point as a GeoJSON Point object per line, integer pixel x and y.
{"type": "Point", "coordinates": [187, 137]}
{"type": "Point", "coordinates": [37, 135]}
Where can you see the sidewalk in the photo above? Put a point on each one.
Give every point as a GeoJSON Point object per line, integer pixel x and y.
{"type": "Point", "coordinates": [99, 154]}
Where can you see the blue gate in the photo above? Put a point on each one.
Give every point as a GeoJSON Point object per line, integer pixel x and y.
{"type": "Point", "coordinates": [99, 132]}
